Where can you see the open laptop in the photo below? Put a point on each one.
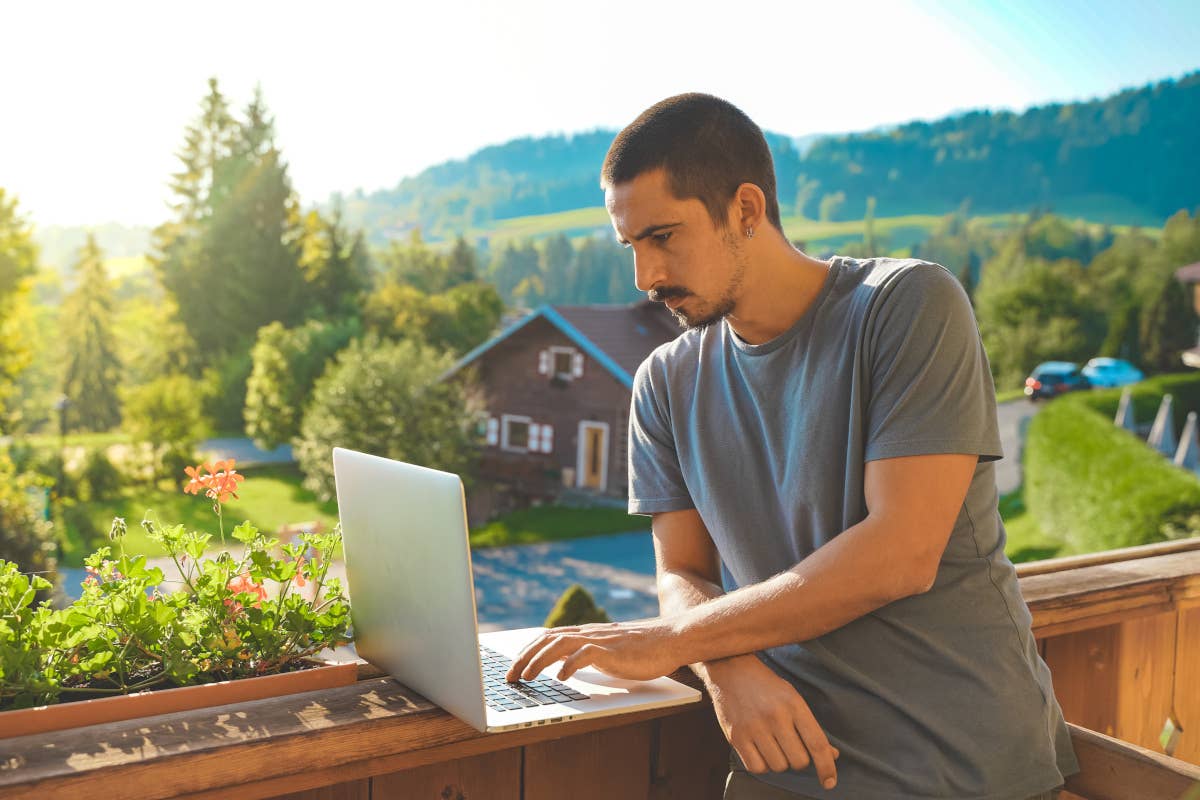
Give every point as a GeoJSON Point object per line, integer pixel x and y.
{"type": "Point", "coordinates": [408, 565]}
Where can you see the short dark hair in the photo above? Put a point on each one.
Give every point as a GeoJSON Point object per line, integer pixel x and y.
{"type": "Point", "coordinates": [708, 147]}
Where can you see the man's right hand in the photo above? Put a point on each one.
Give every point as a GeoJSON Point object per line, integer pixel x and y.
{"type": "Point", "coordinates": [766, 720]}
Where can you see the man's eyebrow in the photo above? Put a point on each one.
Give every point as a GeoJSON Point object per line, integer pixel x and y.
{"type": "Point", "coordinates": [650, 231]}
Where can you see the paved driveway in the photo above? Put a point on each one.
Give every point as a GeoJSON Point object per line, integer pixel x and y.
{"type": "Point", "coordinates": [1012, 416]}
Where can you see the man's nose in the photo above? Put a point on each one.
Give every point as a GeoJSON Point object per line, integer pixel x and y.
{"type": "Point", "coordinates": [648, 271]}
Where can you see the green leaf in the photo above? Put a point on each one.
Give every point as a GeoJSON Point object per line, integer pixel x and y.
{"type": "Point", "coordinates": [245, 532]}
{"type": "Point", "coordinates": [195, 543]}
{"type": "Point", "coordinates": [264, 566]}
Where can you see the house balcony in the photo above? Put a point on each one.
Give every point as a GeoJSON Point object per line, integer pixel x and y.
{"type": "Point", "coordinates": [1120, 631]}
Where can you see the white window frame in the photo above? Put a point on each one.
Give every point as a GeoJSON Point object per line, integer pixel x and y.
{"type": "Point", "coordinates": [581, 450]}
{"type": "Point", "coordinates": [504, 420]}
{"type": "Point", "coordinates": [571, 353]}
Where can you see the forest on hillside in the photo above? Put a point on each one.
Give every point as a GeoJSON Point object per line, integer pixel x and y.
{"type": "Point", "coordinates": [1126, 158]}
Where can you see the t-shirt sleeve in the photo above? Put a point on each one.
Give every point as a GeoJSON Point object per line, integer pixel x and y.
{"type": "Point", "coordinates": [656, 481]}
{"type": "Point", "coordinates": [931, 387]}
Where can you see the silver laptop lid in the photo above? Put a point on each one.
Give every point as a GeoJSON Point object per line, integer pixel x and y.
{"type": "Point", "coordinates": [408, 565]}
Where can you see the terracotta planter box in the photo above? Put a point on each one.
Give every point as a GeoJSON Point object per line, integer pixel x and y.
{"type": "Point", "coordinates": [43, 719]}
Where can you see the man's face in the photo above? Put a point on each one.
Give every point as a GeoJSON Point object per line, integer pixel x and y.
{"type": "Point", "coordinates": [680, 257]}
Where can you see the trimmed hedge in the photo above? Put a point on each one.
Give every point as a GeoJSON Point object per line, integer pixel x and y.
{"type": "Point", "coordinates": [1099, 487]}
{"type": "Point", "coordinates": [1147, 395]}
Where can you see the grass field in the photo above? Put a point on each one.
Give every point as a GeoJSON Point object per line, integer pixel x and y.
{"type": "Point", "coordinates": [1026, 541]}
{"type": "Point", "coordinates": [51, 440]}
{"type": "Point", "coordinates": [1008, 395]}
{"type": "Point", "coordinates": [555, 523]}
{"type": "Point", "coordinates": [899, 232]}
{"type": "Point", "coordinates": [271, 497]}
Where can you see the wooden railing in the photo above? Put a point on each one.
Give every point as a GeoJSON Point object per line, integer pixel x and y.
{"type": "Point", "coordinates": [1119, 632]}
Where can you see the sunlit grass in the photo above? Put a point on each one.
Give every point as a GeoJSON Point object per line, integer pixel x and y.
{"type": "Point", "coordinates": [555, 523]}
{"type": "Point", "coordinates": [51, 440]}
{"type": "Point", "coordinates": [1008, 395]}
{"type": "Point", "coordinates": [270, 498]}
{"type": "Point", "coordinates": [1026, 541]}
{"type": "Point", "coordinates": [899, 231]}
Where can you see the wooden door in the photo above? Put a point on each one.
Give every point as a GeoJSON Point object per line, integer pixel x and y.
{"type": "Point", "coordinates": [592, 461]}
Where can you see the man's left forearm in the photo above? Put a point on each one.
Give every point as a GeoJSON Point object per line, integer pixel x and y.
{"type": "Point", "coordinates": [851, 576]}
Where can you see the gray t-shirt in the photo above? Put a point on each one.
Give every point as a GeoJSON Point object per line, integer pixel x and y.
{"type": "Point", "coordinates": [938, 695]}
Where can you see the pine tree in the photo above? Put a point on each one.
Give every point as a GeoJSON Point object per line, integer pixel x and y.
{"type": "Point", "coordinates": [93, 370]}
{"type": "Point", "coordinates": [335, 264]}
{"type": "Point", "coordinates": [869, 241]}
{"type": "Point", "coordinates": [231, 256]}
{"type": "Point", "coordinates": [462, 264]}
{"type": "Point", "coordinates": [558, 268]}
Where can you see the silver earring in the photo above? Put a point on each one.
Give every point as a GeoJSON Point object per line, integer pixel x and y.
{"type": "Point", "coordinates": [749, 233]}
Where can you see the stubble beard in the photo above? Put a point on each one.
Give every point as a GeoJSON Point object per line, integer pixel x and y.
{"type": "Point", "coordinates": [724, 306]}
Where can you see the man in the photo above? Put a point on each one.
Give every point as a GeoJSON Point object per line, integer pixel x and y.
{"type": "Point", "coordinates": [816, 452]}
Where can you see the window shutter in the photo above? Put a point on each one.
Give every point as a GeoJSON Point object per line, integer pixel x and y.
{"type": "Point", "coordinates": [544, 362]}
{"type": "Point", "coordinates": [534, 432]}
{"type": "Point", "coordinates": [577, 365]}
{"type": "Point", "coordinates": [547, 438]}
{"type": "Point", "coordinates": [493, 431]}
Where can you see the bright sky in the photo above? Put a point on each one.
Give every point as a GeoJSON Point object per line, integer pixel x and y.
{"type": "Point", "coordinates": [96, 95]}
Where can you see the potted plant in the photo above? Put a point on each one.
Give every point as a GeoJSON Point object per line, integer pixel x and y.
{"type": "Point", "coordinates": [235, 627]}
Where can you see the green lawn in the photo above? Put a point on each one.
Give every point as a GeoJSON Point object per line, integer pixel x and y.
{"type": "Point", "coordinates": [270, 498]}
{"type": "Point", "coordinates": [555, 523]}
{"type": "Point", "coordinates": [1008, 395]}
{"type": "Point", "coordinates": [89, 440]}
{"type": "Point", "coordinates": [1026, 541]}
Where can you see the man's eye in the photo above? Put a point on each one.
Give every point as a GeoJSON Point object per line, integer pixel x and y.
{"type": "Point", "coordinates": [662, 237]}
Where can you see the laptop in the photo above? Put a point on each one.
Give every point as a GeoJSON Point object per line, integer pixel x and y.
{"type": "Point", "coordinates": [408, 566]}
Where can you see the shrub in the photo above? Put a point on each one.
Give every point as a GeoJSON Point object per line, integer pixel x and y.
{"type": "Point", "coordinates": [287, 362]}
{"type": "Point", "coordinates": [386, 399]}
{"type": "Point", "coordinates": [224, 394]}
{"type": "Point", "coordinates": [1097, 486]}
{"type": "Point", "coordinates": [99, 478]}
{"type": "Point", "coordinates": [25, 538]}
{"type": "Point", "coordinates": [165, 414]}
{"type": "Point", "coordinates": [575, 607]}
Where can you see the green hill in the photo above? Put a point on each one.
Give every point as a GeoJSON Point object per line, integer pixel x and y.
{"type": "Point", "coordinates": [1124, 159]}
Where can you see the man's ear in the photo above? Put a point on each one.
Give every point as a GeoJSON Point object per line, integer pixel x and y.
{"type": "Point", "coordinates": [749, 208]}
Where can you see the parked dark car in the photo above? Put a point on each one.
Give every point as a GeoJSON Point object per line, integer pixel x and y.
{"type": "Point", "coordinates": [1052, 378]}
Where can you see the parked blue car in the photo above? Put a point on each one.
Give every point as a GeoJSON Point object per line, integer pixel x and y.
{"type": "Point", "coordinates": [1112, 372]}
{"type": "Point", "coordinates": [1052, 378]}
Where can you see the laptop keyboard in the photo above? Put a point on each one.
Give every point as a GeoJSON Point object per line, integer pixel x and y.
{"type": "Point", "coordinates": [504, 696]}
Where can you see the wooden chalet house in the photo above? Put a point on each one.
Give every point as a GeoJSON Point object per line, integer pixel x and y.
{"type": "Point", "coordinates": [556, 387]}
